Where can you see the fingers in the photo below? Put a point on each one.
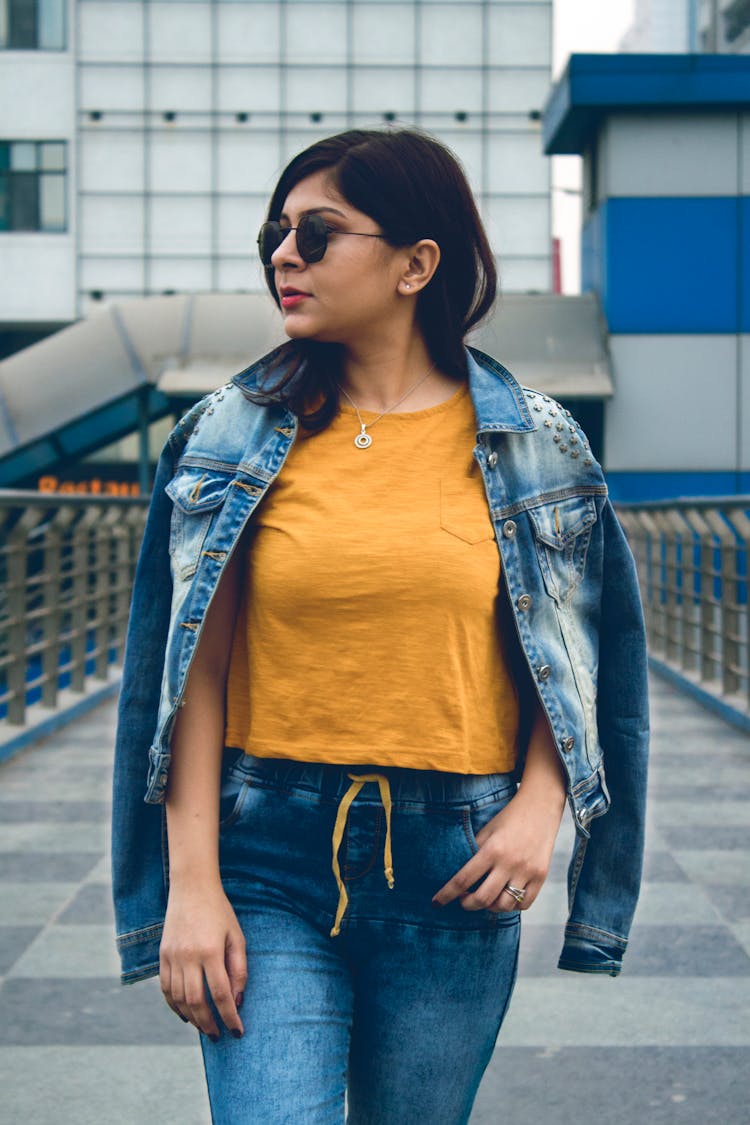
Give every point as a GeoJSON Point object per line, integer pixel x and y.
{"type": "Point", "coordinates": [236, 963]}
{"type": "Point", "coordinates": [491, 894]}
{"type": "Point", "coordinates": [184, 990]}
{"type": "Point", "coordinates": [165, 982]}
{"type": "Point", "coordinates": [223, 997]}
{"type": "Point", "coordinates": [465, 878]}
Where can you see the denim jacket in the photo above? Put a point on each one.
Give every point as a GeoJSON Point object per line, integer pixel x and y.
{"type": "Point", "coordinates": [568, 576]}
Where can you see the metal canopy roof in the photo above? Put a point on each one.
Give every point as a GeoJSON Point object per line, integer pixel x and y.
{"type": "Point", "coordinates": [593, 86]}
{"type": "Point", "coordinates": [554, 344]}
{"type": "Point", "coordinates": [99, 379]}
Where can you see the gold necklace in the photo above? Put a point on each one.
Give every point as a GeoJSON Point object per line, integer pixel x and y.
{"type": "Point", "coordinates": [363, 439]}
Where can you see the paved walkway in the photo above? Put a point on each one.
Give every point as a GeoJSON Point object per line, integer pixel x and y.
{"type": "Point", "coordinates": [666, 1042]}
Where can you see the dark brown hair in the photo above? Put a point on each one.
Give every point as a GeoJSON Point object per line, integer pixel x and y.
{"type": "Point", "coordinates": [413, 187]}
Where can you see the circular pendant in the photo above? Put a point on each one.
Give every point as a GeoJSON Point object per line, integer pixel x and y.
{"type": "Point", "coordinates": [363, 440]}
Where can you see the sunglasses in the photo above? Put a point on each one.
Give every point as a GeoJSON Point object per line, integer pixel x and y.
{"type": "Point", "coordinates": [312, 238]}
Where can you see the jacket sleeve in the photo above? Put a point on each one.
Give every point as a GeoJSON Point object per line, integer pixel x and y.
{"type": "Point", "coordinates": [605, 872]}
{"type": "Point", "coordinates": [137, 877]}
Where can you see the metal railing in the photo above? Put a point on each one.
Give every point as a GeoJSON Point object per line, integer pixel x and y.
{"type": "Point", "coordinates": [66, 575]}
{"type": "Point", "coordinates": [692, 558]}
{"type": "Point", "coordinates": [67, 565]}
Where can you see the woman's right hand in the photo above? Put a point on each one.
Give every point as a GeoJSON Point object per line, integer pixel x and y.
{"type": "Point", "coordinates": [202, 936]}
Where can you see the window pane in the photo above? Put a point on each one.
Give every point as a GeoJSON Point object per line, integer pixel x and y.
{"type": "Point", "coordinates": [24, 201]}
{"type": "Point", "coordinates": [51, 24]}
{"type": "Point", "coordinates": [52, 156]}
{"type": "Point", "coordinates": [23, 156]}
{"type": "Point", "coordinates": [52, 202]}
{"type": "Point", "coordinates": [22, 23]}
{"type": "Point", "coordinates": [4, 202]}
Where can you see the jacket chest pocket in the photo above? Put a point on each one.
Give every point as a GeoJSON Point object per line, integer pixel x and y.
{"type": "Point", "coordinates": [197, 495]}
{"type": "Point", "coordinates": [562, 532]}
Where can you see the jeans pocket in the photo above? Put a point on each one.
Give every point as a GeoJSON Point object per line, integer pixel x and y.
{"type": "Point", "coordinates": [235, 782]}
{"type": "Point", "coordinates": [478, 813]}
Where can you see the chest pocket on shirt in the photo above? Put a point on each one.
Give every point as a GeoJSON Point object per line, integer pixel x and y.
{"type": "Point", "coordinates": [463, 513]}
{"type": "Point", "coordinates": [563, 531]}
{"type": "Point", "coordinates": [197, 494]}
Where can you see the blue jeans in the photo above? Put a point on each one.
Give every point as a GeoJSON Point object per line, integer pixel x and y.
{"type": "Point", "coordinates": [357, 988]}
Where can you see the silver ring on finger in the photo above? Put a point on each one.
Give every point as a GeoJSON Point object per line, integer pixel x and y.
{"type": "Point", "coordinates": [516, 893]}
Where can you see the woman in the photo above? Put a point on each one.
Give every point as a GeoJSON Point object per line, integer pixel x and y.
{"type": "Point", "coordinates": [381, 585]}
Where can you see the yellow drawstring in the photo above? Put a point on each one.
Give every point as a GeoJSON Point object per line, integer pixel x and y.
{"type": "Point", "coordinates": [358, 780]}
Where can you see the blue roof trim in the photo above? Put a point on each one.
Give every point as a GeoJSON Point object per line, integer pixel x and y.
{"type": "Point", "coordinates": [593, 86]}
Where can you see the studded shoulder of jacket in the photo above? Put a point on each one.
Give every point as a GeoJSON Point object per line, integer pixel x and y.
{"type": "Point", "coordinates": [557, 426]}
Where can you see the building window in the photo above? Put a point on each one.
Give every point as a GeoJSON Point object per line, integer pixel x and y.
{"type": "Point", "coordinates": [30, 25]}
{"type": "Point", "coordinates": [32, 185]}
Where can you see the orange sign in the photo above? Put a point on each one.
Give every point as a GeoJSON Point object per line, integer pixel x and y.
{"type": "Point", "coordinates": [93, 487]}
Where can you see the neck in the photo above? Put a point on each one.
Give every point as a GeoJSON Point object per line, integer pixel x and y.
{"type": "Point", "coordinates": [376, 377]}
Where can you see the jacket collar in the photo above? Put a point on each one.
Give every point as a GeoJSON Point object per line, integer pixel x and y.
{"type": "Point", "coordinates": [499, 401]}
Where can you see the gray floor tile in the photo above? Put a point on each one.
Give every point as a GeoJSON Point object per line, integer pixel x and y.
{"type": "Point", "coordinates": [718, 837]}
{"type": "Point", "coordinates": [585, 1009]}
{"type": "Point", "coordinates": [616, 1086]}
{"type": "Point", "coordinates": [741, 931]}
{"type": "Point", "coordinates": [40, 1011]}
{"type": "Point", "coordinates": [118, 1085]}
{"type": "Point", "coordinates": [101, 872]}
{"type": "Point", "coordinates": [714, 866]}
{"type": "Point", "coordinates": [42, 867]}
{"type": "Point", "coordinates": [702, 815]}
{"type": "Point", "coordinates": [75, 812]}
{"type": "Point", "coordinates": [69, 951]}
{"type": "Point", "coordinates": [731, 900]}
{"type": "Point", "coordinates": [667, 791]}
{"type": "Point", "coordinates": [666, 904]}
{"type": "Point", "coordinates": [67, 788]}
{"type": "Point", "coordinates": [91, 904]}
{"type": "Point", "coordinates": [22, 904]}
{"type": "Point", "coordinates": [45, 837]}
{"type": "Point", "coordinates": [660, 867]}
{"type": "Point", "coordinates": [13, 941]}
{"type": "Point", "coordinates": [664, 951]}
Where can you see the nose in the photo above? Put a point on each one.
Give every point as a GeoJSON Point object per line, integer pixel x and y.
{"type": "Point", "coordinates": [286, 253]}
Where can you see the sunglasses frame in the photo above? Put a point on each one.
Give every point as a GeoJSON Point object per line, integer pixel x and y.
{"type": "Point", "coordinates": [318, 235]}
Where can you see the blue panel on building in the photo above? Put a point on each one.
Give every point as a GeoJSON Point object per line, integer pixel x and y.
{"type": "Point", "coordinates": [743, 240]}
{"type": "Point", "coordinates": [638, 486]}
{"type": "Point", "coordinates": [673, 265]}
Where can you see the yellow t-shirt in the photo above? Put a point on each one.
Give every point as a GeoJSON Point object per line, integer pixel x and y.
{"type": "Point", "coordinates": [370, 629]}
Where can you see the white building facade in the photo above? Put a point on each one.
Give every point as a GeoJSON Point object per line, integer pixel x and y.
{"type": "Point", "coordinates": [661, 26]}
{"type": "Point", "coordinates": [139, 139]}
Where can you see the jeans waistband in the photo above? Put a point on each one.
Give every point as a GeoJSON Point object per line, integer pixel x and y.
{"type": "Point", "coordinates": [437, 788]}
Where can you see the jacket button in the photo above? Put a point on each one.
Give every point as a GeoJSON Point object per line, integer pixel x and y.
{"type": "Point", "coordinates": [509, 529]}
{"type": "Point", "coordinates": [524, 602]}
{"type": "Point", "coordinates": [568, 744]}
{"type": "Point", "coordinates": [492, 459]}
{"type": "Point", "coordinates": [543, 672]}
{"type": "Point", "coordinates": [582, 817]}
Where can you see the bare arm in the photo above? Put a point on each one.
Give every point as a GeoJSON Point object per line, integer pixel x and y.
{"type": "Point", "coordinates": [201, 932]}
{"type": "Point", "coordinates": [516, 845]}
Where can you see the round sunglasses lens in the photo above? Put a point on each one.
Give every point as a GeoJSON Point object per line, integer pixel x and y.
{"type": "Point", "coordinates": [312, 238]}
{"type": "Point", "coordinates": [270, 238]}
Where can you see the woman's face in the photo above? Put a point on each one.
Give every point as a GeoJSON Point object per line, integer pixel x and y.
{"type": "Point", "coordinates": [353, 290]}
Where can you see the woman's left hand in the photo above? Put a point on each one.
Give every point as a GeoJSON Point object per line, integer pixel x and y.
{"type": "Point", "coordinates": [515, 848]}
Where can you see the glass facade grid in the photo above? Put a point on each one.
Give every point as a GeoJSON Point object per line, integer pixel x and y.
{"type": "Point", "coordinates": [203, 103]}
